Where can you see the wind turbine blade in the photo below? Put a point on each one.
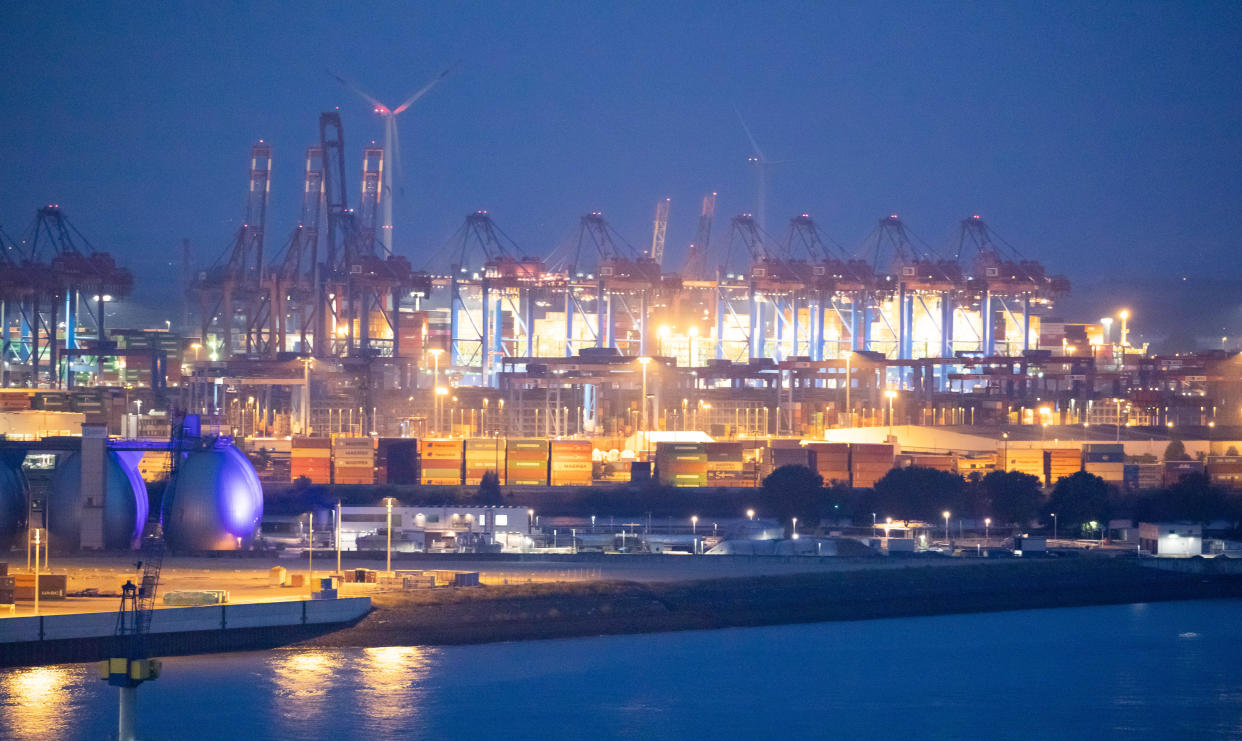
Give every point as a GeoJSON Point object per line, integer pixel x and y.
{"type": "Point", "coordinates": [358, 91]}
{"type": "Point", "coordinates": [425, 89]}
{"type": "Point", "coordinates": [754, 144]}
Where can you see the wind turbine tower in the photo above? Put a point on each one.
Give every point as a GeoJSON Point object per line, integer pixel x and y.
{"type": "Point", "coordinates": [391, 146]}
{"type": "Point", "coordinates": [761, 163]}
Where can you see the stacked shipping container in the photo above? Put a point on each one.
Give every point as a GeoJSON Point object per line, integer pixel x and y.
{"type": "Point", "coordinates": [725, 466]}
{"type": "Point", "coordinates": [682, 464]}
{"type": "Point", "coordinates": [1062, 462]}
{"type": "Point", "coordinates": [440, 462]}
{"type": "Point", "coordinates": [832, 461]}
{"type": "Point", "coordinates": [353, 460]}
{"type": "Point", "coordinates": [397, 461]}
{"type": "Point", "coordinates": [869, 462]}
{"type": "Point", "coordinates": [526, 462]}
{"type": "Point", "coordinates": [570, 462]}
{"type": "Point", "coordinates": [1106, 460]}
{"type": "Point", "coordinates": [1025, 460]}
{"type": "Point", "coordinates": [311, 457]}
{"type": "Point", "coordinates": [484, 454]}
{"type": "Point", "coordinates": [1175, 470]}
{"type": "Point", "coordinates": [1225, 471]}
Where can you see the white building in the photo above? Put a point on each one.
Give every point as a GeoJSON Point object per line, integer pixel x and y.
{"type": "Point", "coordinates": [1171, 538]}
{"type": "Point", "coordinates": [438, 528]}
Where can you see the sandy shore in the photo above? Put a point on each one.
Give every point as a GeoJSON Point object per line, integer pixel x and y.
{"type": "Point", "coordinates": [537, 611]}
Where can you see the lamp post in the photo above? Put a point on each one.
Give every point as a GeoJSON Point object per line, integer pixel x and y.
{"type": "Point", "coordinates": [1005, 451]}
{"type": "Point", "coordinates": [310, 551]}
{"type": "Point", "coordinates": [435, 384]}
{"type": "Point", "coordinates": [947, 539]}
{"type": "Point", "coordinates": [890, 395]}
{"type": "Point", "coordinates": [1124, 315]}
{"type": "Point", "coordinates": [37, 533]}
{"type": "Point", "coordinates": [388, 547]}
{"type": "Point", "coordinates": [694, 524]}
{"type": "Point", "coordinates": [1054, 525]}
{"type": "Point", "coordinates": [987, 525]}
{"type": "Point", "coordinates": [794, 530]}
{"type": "Point", "coordinates": [338, 536]}
{"type": "Point", "coordinates": [750, 514]}
{"type": "Point", "coordinates": [642, 417]}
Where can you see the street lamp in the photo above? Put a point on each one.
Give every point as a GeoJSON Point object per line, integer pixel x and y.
{"type": "Point", "coordinates": [441, 392]}
{"type": "Point", "coordinates": [435, 383]}
{"type": "Point", "coordinates": [1054, 525]}
{"type": "Point", "coordinates": [1124, 315]}
{"type": "Point", "coordinates": [795, 528]}
{"type": "Point", "coordinates": [196, 346]}
{"type": "Point", "coordinates": [388, 548]}
{"type": "Point", "coordinates": [694, 524]}
{"type": "Point", "coordinates": [987, 524]}
{"type": "Point", "coordinates": [945, 514]}
{"type": "Point", "coordinates": [750, 514]}
{"type": "Point", "coordinates": [642, 417]}
{"type": "Point", "coordinates": [890, 395]}
{"type": "Point", "coordinates": [310, 552]}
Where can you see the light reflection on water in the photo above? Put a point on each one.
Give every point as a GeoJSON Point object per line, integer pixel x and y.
{"type": "Point", "coordinates": [41, 701]}
{"type": "Point", "coordinates": [1088, 672]}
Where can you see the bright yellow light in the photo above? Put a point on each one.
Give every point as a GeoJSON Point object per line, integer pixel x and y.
{"type": "Point", "coordinates": [644, 361]}
{"type": "Point", "coordinates": [664, 331]}
{"type": "Point", "coordinates": [1124, 314]}
{"type": "Point", "coordinates": [945, 514]}
{"type": "Point", "coordinates": [694, 331]}
{"type": "Point", "coordinates": [341, 331]}
{"type": "Point", "coordinates": [441, 391]}
{"type": "Point", "coordinates": [435, 352]}
{"type": "Point", "coordinates": [890, 394]}
{"type": "Point", "coordinates": [196, 346]}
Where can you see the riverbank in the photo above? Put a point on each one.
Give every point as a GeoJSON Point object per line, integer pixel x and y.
{"type": "Point", "coordinates": [540, 611]}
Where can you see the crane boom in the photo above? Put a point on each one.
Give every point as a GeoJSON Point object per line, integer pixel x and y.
{"type": "Point", "coordinates": [659, 232]}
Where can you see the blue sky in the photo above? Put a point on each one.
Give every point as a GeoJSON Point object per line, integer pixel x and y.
{"type": "Point", "coordinates": [1099, 138]}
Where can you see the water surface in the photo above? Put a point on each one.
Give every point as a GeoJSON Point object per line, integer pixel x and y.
{"type": "Point", "coordinates": [1168, 670]}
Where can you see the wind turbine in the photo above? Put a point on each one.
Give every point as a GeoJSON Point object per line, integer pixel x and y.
{"type": "Point", "coordinates": [761, 164]}
{"type": "Point", "coordinates": [391, 147]}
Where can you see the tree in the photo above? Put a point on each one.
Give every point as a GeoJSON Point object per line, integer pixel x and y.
{"type": "Point", "coordinates": [489, 489]}
{"type": "Point", "coordinates": [1232, 451]}
{"type": "Point", "coordinates": [915, 492]}
{"type": "Point", "coordinates": [1013, 497]}
{"type": "Point", "coordinates": [794, 491]}
{"type": "Point", "coordinates": [1193, 498]}
{"type": "Point", "coordinates": [1175, 451]}
{"type": "Point", "coordinates": [1079, 500]}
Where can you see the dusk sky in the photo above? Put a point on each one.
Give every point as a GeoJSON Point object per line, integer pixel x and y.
{"type": "Point", "coordinates": [1101, 138]}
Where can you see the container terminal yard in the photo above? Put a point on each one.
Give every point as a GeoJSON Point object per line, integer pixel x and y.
{"type": "Point", "coordinates": [320, 394]}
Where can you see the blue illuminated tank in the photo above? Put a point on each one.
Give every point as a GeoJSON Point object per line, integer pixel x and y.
{"type": "Point", "coordinates": [218, 500]}
{"type": "Point", "coordinates": [124, 505]}
{"type": "Point", "coordinates": [13, 492]}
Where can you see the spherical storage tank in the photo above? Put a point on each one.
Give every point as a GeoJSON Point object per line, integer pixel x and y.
{"type": "Point", "coordinates": [218, 499]}
{"type": "Point", "coordinates": [12, 501]}
{"type": "Point", "coordinates": [124, 503]}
